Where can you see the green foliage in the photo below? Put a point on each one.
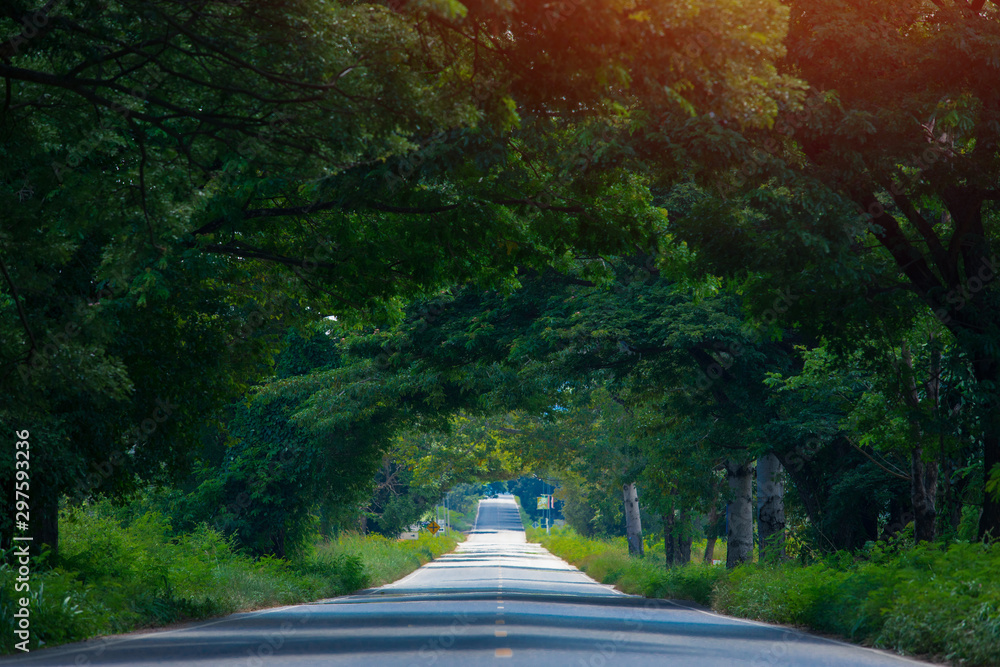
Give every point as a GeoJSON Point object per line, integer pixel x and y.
{"type": "Point", "coordinates": [928, 600]}
{"type": "Point", "coordinates": [931, 599]}
{"type": "Point", "coordinates": [142, 262]}
{"type": "Point", "coordinates": [386, 560]}
{"type": "Point", "coordinates": [608, 561]}
{"type": "Point", "coordinates": [396, 502]}
{"type": "Point", "coordinates": [113, 578]}
{"type": "Point", "coordinates": [865, 232]}
{"type": "Point", "coordinates": [946, 604]}
{"type": "Point", "coordinates": [592, 509]}
{"type": "Point", "coordinates": [266, 487]}
{"type": "Point", "coordinates": [469, 450]}
{"type": "Point", "coordinates": [526, 490]}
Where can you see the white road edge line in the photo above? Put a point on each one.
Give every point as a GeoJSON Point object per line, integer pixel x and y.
{"type": "Point", "coordinates": [883, 654]}
{"type": "Point", "coordinates": [102, 642]}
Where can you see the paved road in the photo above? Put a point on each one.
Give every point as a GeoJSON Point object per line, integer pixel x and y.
{"type": "Point", "coordinates": [496, 601]}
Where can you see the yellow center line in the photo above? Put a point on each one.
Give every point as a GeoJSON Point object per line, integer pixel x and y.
{"type": "Point", "coordinates": [500, 622]}
{"type": "Point", "coordinates": [499, 633]}
{"type": "Point", "coordinates": [503, 653]}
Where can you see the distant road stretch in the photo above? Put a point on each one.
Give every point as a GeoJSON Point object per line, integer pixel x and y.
{"type": "Point", "coordinates": [496, 601]}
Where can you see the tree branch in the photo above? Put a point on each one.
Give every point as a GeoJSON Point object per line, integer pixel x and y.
{"type": "Point", "coordinates": [20, 310]}
{"type": "Point", "coordinates": [872, 459]}
{"type": "Point", "coordinates": [937, 250]}
{"type": "Point", "coordinates": [908, 259]}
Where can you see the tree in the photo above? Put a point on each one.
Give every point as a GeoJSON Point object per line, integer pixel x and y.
{"type": "Point", "coordinates": [927, 185]}
{"type": "Point", "coordinates": [233, 148]}
{"type": "Point", "coordinates": [273, 477]}
{"type": "Point", "coordinates": [910, 150]}
{"type": "Point", "coordinates": [770, 509]}
{"type": "Point", "coordinates": [131, 139]}
{"type": "Point", "coordinates": [645, 343]}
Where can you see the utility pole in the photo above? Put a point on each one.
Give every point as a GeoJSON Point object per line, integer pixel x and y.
{"type": "Point", "coordinates": [548, 504]}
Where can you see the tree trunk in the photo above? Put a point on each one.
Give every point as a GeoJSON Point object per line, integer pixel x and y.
{"type": "Point", "coordinates": [770, 509]}
{"type": "Point", "coordinates": [713, 516]}
{"type": "Point", "coordinates": [923, 494]}
{"type": "Point", "coordinates": [682, 552]}
{"type": "Point", "coordinates": [952, 492]}
{"type": "Point", "coordinates": [989, 520]}
{"type": "Point", "coordinates": [633, 523]}
{"type": "Point", "coordinates": [676, 539]}
{"type": "Point", "coordinates": [987, 373]}
{"type": "Point", "coordinates": [44, 524]}
{"type": "Point", "coordinates": [709, 550]}
{"type": "Point", "coordinates": [945, 504]}
{"type": "Point", "coordinates": [899, 516]}
{"type": "Point", "coordinates": [923, 476]}
{"type": "Point", "coordinates": [669, 543]}
{"type": "Point", "coordinates": [739, 533]}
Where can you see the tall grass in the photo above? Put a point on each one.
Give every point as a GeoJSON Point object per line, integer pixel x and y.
{"type": "Point", "coordinates": [387, 560]}
{"type": "Point", "coordinates": [930, 599]}
{"type": "Point", "coordinates": [608, 561]}
{"type": "Point", "coordinates": [112, 579]}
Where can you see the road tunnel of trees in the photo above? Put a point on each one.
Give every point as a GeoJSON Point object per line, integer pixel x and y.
{"type": "Point", "coordinates": [724, 270]}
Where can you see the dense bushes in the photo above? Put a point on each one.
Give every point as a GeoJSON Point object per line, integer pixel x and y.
{"type": "Point", "coordinates": [114, 578]}
{"type": "Point", "coordinates": [929, 599]}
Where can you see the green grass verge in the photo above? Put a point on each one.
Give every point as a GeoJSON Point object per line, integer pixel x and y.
{"type": "Point", "coordinates": [113, 579]}
{"type": "Point", "coordinates": [927, 600]}
{"type": "Point", "coordinates": [608, 562]}
{"type": "Point", "coordinates": [386, 560]}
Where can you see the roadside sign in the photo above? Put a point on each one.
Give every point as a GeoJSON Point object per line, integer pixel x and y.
{"type": "Point", "coordinates": [543, 503]}
{"type": "Point", "coordinates": [433, 527]}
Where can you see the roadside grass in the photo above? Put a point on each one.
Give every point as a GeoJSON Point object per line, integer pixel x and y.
{"type": "Point", "coordinates": [112, 579]}
{"type": "Point", "coordinates": [932, 599]}
{"type": "Point", "coordinates": [608, 562]}
{"type": "Point", "coordinates": [386, 560]}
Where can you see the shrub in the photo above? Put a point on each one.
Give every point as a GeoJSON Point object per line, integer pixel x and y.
{"type": "Point", "coordinates": [115, 578]}
{"type": "Point", "coordinates": [929, 599]}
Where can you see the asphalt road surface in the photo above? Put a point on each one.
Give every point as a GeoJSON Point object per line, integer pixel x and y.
{"type": "Point", "coordinates": [496, 601]}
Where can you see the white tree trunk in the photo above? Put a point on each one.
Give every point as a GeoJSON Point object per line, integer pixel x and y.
{"type": "Point", "coordinates": [739, 546]}
{"type": "Point", "coordinates": [770, 509]}
{"type": "Point", "coordinates": [633, 524]}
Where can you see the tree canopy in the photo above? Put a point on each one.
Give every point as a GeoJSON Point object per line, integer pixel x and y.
{"type": "Point", "coordinates": [738, 227]}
